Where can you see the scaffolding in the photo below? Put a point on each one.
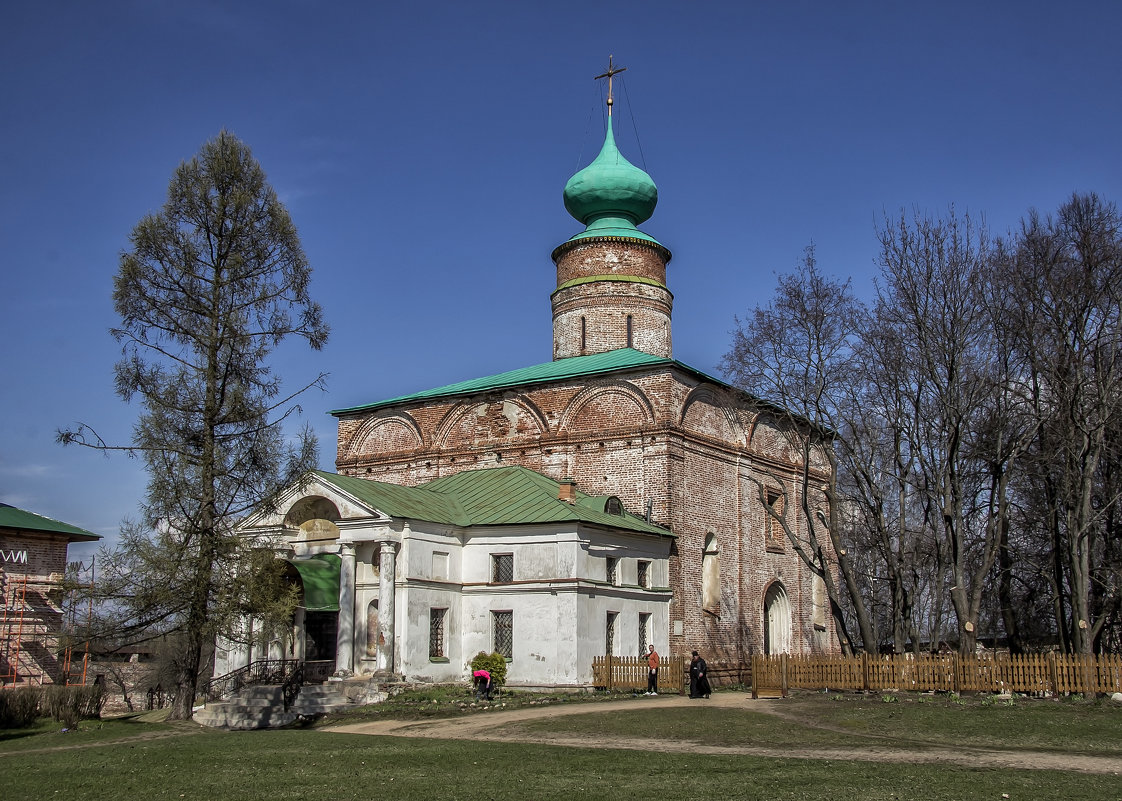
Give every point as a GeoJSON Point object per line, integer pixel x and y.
{"type": "Point", "coordinates": [71, 674]}
{"type": "Point", "coordinates": [37, 637]}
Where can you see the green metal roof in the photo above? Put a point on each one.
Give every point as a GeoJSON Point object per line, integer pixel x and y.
{"type": "Point", "coordinates": [320, 576]}
{"type": "Point", "coordinates": [559, 370]}
{"type": "Point", "coordinates": [11, 517]}
{"type": "Point", "coordinates": [397, 501]}
{"type": "Point", "coordinates": [491, 497]}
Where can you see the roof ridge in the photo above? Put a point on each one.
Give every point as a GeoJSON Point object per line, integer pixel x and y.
{"type": "Point", "coordinates": [541, 373]}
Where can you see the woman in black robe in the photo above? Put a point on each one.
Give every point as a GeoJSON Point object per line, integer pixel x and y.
{"type": "Point", "coordinates": [699, 681]}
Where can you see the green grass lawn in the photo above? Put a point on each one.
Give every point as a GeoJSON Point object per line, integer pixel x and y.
{"type": "Point", "coordinates": [853, 720]}
{"type": "Point", "coordinates": [194, 763]}
{"type": "Point", "coordinates": [1042, 724]}
{"type": "Point", "coordinates": [48, 733]}
{"type": "Point", "coordinates": [320, 765]}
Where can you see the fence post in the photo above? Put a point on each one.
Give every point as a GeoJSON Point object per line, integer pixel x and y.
{"type": "Point", "coordinates": [1053, 674]}
{"type": "Point", "coordinates": [865, 671]}
{"type": "Point", "coordinates": [957, 673]}
{"type": "Point", "coordinates": [755, 672]}
{"type": "Point", "coordinates": [783, 674]}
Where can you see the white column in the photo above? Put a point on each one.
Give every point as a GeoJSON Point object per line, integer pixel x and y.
{"type": "Point", "coordinates": [387, 569]}
{"type": "Point", "coordinates": [345, 642]}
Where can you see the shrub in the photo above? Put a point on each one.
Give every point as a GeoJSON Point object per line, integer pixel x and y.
{"type": "Point", "coordinates": [495, 664]}
{"type": "Point", "coordinates": [19, 707]}
{"type": "Point", "coordinates": [71, 704]}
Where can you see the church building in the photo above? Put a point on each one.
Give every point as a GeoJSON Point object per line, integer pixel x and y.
{"type": "Point", "coordinates": [660, 534]}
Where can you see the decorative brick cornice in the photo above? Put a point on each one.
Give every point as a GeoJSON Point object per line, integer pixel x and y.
{"type": "Point", "coordinates": [565, 247]}
{"type": "Point", "coordinates": [619, 279]}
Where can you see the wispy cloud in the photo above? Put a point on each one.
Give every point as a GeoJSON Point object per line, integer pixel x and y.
{"type": "Point", "coordinates": [26, 471]}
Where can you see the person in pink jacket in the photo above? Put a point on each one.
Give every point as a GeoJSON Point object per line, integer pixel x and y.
{"type": "Point", "coordinates": [482, 681]}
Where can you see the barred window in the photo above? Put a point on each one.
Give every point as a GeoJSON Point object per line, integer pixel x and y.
{"type": "Point", "coordinates": [436, 632]}
{"type": "Point", "coordinates": [610, 569]}
{"type": "Point", "coordinates": [502, 567]}
{"type": "Point", "coordinates": [502, 624]}
{"type": "Point", "coordinates": [610, 634]}
{"type": "Point", "coordinates": [644, 573]}
{"type": "Point", "coordinates": [644, 632]}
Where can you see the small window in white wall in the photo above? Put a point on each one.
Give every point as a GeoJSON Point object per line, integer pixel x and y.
{"type": "Point", "coordinates": [612, 570]}
{"type": "Point", "coordinates": [643, 573]}
{"type": "Point", "coordinates": [610, 634]}
{"type": "Point", "coordinates": [502, 633]}
{"type": "Point", "coordinates": [436, 632]}
{"type": "Point", "coordinates": [502, 568]}
{"type": "Point", "coordinates": [439, 565]}
{"type": "Point", "coordinates": [644, 632]}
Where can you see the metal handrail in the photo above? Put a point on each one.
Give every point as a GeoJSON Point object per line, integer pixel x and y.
{"type": "Point", "coordinates": [261, 672]}
{"type": "Point", "coordinates": [291, 687]}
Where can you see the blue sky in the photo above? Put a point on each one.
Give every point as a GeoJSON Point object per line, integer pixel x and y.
{"type": "Point", "coordinates": [421, 149]}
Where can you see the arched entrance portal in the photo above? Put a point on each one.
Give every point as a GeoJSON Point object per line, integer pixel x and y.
{"type": "Point", "coordinates": [318, 577]}
{"type": "Point", "coordinates": [777, 620]}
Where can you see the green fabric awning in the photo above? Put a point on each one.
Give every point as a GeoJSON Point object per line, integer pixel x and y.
{"type": "Point", "coordinates": [320, 577]}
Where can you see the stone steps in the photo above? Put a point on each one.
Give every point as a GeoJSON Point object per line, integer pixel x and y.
{"type": "Point", "coordinates": [262, 707]}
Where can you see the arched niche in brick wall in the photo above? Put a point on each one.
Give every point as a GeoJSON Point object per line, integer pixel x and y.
{"type": "Point", "coordinates": [386, 433]}
{"type": "Point", "coordinates": [772, 437]}
{"type": "Point", "coordinates": [601, 407]}
{"type": "Point", "coordinates": [708, 413]}
{"type": "Point", "coordinates": [492, 422]}
{"type": "Point", "coordinates": [777, 619]}
{"type": "Point", "coordinates": [818, 458]}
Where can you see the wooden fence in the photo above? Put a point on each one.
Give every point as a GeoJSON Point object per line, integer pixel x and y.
{"type": "Point", "coordinates": [1036, 674]}
{"type": "Point", "coordinates": [630, 673]}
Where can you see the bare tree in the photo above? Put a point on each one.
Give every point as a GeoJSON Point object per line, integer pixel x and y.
{"type": "Point", "coordinates": [797, 353]}
{"type": "Point", "coordinates": [933, 298]}
{"type": "Point", "coordinates": [1063, 318]}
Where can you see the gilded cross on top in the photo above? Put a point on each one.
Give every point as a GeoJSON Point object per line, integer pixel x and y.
{"type": "Point", "coordinates": [612, 70]}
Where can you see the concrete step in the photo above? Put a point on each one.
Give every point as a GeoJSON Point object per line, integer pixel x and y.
{"type": "Point", "coordinates": [224, 716]}
{"type": "Point", "coordinates": [262, 707]}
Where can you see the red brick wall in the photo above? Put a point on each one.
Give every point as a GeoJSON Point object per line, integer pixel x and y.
{"type": "Point", "coordinates": [644, 436]}
{"type": "Point", "coordinates": [603, 256]}
{"type": "Point", "coordinates": [592, 317]}
{"type": "Point", "coordinates": [32, 616]}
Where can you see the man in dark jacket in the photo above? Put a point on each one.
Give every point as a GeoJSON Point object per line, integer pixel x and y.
{"type": "Point", "coordinates": [699, 683]}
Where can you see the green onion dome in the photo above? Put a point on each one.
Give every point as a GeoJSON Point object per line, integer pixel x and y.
{"type": "Point", "coordinates": [611, 195]}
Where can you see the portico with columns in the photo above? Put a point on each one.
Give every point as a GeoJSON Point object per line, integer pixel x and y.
{"type": "Point", "coordinates": [418, 580]}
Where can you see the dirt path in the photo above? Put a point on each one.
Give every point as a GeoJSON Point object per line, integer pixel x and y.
{"type": "Point", "coordinates": [496, 727]}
